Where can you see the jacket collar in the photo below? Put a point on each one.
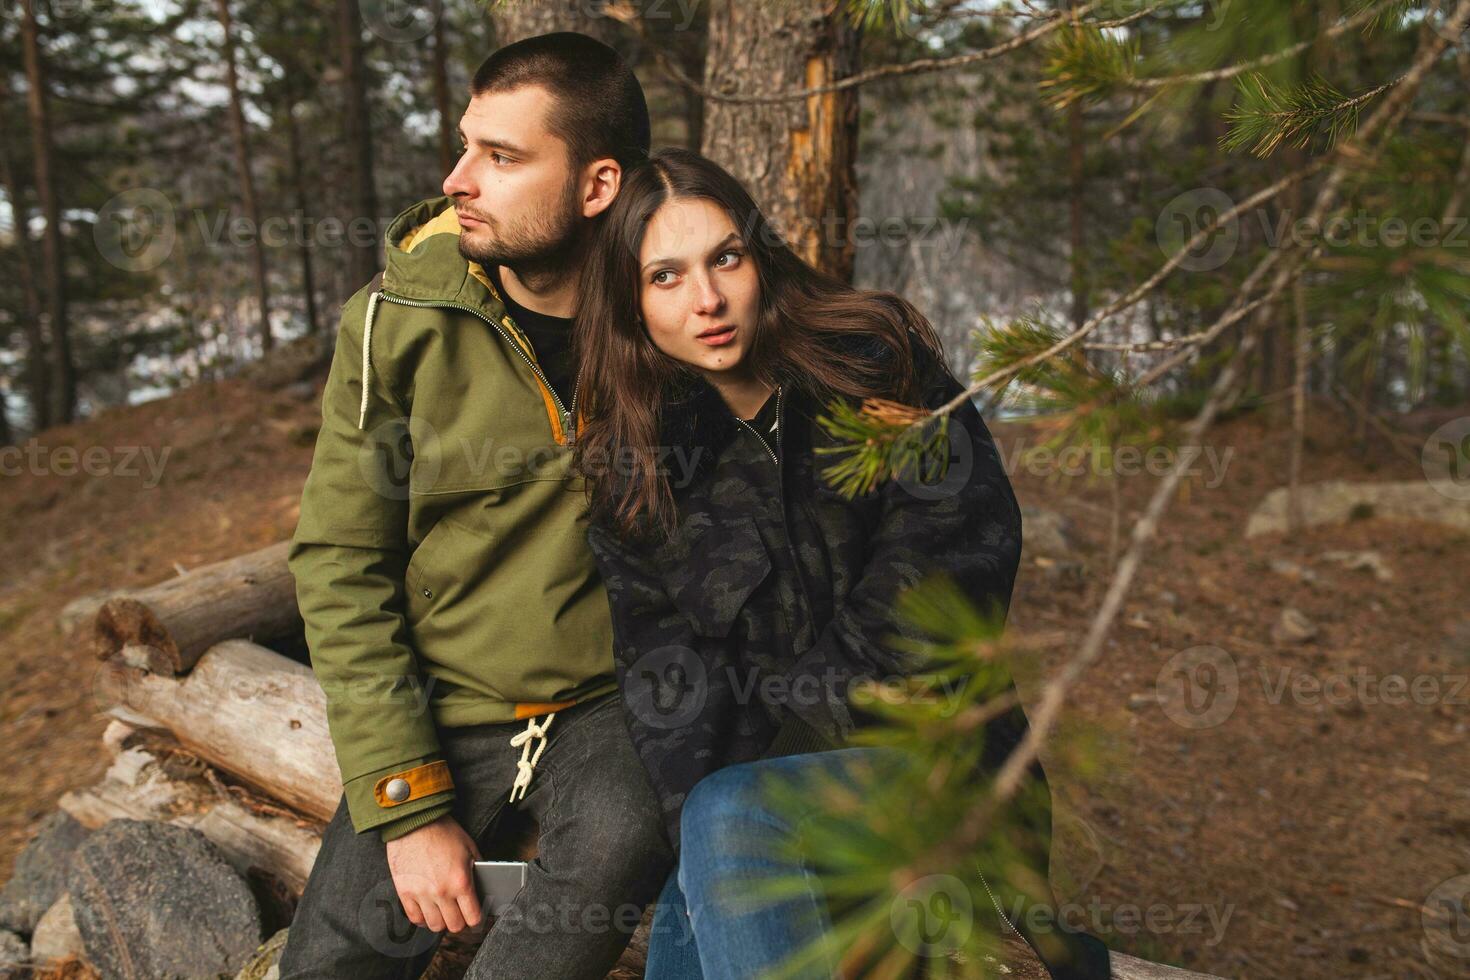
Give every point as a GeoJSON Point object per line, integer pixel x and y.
{"type": "Point", "coordinates": [695, 419]}
{"type": "Point", "coordinates": [423, 261]}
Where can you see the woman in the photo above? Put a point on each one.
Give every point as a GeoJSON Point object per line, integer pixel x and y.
{"type": "Point", "coordinates": [746, 593]}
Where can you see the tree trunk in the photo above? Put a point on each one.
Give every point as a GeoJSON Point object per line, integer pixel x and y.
{"type": "Point", "coordinates": [38, 379]}
{"type": "Point", "coordinates": [63, 386]}
{"type": "Point", "coordinates": [1077, 189]}
{"type": "Point", "coordinates": [1298, 408]}
{"type": "Point", "coordinates": [1076, 164]}
{"type": "Point", "coordinates": [1277, 349]}
{"type": "Point", "coordinates": [516, 21]}
{"type": "Point", "coordinates": [439, 68]}
{"type": "Point", "coordinates": [1295, 349]}
{"type": "Point", "coordinates": [1365, 399]}
{"type": "Point", "coordinates": [693, 101]}
{"type": "Point", "coordinates": [298, 188]}
{"type": "Point", "coordinates": [247, 180]}
{"type": "Point", "coordinates": [795, 157]}
{"type": "Point", "coordinates": [362, 252]}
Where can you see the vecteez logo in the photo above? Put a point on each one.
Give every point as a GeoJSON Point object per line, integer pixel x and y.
{"type": "Point", "coordinates": [136, 229]}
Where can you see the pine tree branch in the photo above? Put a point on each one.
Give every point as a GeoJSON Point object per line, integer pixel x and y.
{"type": "Point", "coordinates": [624, 12]}
{"type": "Point", "coordinates": [1148, 346]}
{"type": "Point", "coordinates": [1393, 108]}
{"type": "Point", "coordinates": [1012, 773]}
{"type": "Point", "coordinates": [1448, 118]}
{"type": "Point", "coordinates": [1275, 114]}
{"type": "Point", "coordinates": [1232, 316]}
{"type": "Point", "coordinates": [1138, 292]}
{"type": "Point", "coordinates": [1009, 778]}
{"type": "Point", "coordinates": [1389, 116]}
{"type": "Point", "coordinates": [1219, 74]}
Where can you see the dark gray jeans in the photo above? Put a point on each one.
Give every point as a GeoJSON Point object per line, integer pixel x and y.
{"type": "Point", "coordinates": [602, 857]}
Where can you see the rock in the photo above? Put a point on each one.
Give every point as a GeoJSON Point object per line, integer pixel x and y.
{"type": "Point", "coordinates": [39, 878]}
{"type": "Point", "coordinates": [56, 935]}
{"type": "Point", "coordinates": [1355, 561]}
{"type": "Point", "coordinates": [158, 901]}
{"type": "Point", "coordinates": [1339, 501]}
{"type": "Point", "coordinates": [1068, 575]}
{"type": "Point", "coordinates": [1046, 532]}
{"type": "Point", "coordinates": [265, 962]}
{"type": "Point", "coordinates": [1293, 627]}
{"type": "Point", "coordinates": [13, 955]}
{"type": "Point", "coordinates": [1293, 571]}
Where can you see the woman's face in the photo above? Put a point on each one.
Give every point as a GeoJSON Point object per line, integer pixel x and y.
{"type": "Point", "coordinates": [698, 288]}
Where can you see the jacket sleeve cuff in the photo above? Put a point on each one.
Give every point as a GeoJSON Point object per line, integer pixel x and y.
{"type": "Point", "coordinates": [404, 825]}
{"type": "Point", "coordinates": [387, 795]}
{"type": "Point", "coordinates": [817, 695]}
{"type": "Point", "coordinates": [796, 737]}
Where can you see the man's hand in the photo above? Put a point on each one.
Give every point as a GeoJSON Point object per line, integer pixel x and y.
{"type": "Point", "coordinates": [432, 872]}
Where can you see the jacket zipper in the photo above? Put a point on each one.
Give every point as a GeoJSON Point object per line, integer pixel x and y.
{"type": "Point", "coordinates": [564, 413]}
{"type": "Point", "coordinates": [762, 438]}
{"type": "Point", "coordinates": [781, 496]}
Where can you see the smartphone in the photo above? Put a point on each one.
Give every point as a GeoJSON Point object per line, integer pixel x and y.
{"type": "Point", "coordinates": [498, 883]}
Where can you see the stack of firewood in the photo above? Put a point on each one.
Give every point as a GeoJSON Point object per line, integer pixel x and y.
{"type": "Point", "coordinates": [219, 727]}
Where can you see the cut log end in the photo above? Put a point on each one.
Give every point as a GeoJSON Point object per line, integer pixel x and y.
{"type": "Point", "coordinates": [127, 628]}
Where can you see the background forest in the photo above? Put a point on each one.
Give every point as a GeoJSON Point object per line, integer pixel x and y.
{"type": "Point", "coordinates": [1205, 263]}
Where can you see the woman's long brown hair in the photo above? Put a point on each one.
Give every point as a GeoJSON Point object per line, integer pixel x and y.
{"type": "Point", "coordinates": [804, 314]}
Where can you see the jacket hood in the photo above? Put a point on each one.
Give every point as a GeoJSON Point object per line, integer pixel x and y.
{"type": "Point", "coordinates": [424, 263]}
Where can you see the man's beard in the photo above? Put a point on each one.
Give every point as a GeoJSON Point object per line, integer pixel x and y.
{"type": "Point", "coordinates": [542, 249]}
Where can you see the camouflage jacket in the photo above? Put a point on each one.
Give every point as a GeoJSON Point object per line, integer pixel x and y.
{"type": "Point", "coordinates": [738, 638]}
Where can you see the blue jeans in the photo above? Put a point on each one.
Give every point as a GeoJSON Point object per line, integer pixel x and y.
{"type": "Point", "coordinates": [701, 929]}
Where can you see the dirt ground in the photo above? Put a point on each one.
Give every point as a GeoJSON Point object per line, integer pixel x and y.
{"type": "Point", "coordinates": [1296, 834]}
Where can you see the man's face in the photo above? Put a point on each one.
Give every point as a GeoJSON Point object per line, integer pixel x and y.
{"type": "Point", "coordinates": [516, 194]}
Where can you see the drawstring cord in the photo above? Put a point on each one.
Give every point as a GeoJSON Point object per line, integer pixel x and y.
{"type": "Point", "coordinates": [367, 364]}
{"type": "Point", "coordinates": [527, 762]}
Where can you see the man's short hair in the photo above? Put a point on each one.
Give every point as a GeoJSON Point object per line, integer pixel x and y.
{"type": "Point", "coordinates": [599, 106]}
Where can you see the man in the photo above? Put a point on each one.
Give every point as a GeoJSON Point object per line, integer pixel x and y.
{"type": "Point", "coordinates": [452, 606]}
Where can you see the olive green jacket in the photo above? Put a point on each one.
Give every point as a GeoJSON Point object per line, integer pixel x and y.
{"type": "Point", "coordinates": [441, 560]}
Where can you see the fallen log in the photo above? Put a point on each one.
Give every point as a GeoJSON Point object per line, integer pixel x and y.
{"type": "Point", "coordinates": [246, 710]}
{"type": "Point", "coordinates": [166, 628]}
{"type": "Point", "coordinates": [149, 781]}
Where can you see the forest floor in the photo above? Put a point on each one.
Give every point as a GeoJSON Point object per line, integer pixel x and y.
{"type": "Point", "coordinates": [1296, 834]}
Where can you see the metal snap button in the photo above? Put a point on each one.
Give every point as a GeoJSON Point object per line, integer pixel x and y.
{"type": "Point", "coordinates": [398, 790]}
{"type": "Point", "coordinates": [428, 594]}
